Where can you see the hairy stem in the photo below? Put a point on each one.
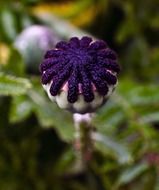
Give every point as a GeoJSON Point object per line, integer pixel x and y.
{"type": "Point", "coordinates": [83, 137]}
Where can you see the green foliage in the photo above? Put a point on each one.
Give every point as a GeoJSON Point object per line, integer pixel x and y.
{"type": "Point", "coordinates": [36, 149]}
{"type": "Point", "coordinates": [13, 86]}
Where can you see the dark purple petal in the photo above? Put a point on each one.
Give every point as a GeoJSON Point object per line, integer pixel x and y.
{"type": "Point", "coordinates": [100, 84]}
{"type": "Point", "coordinates": [98, 45]}
{"type": "Point", "coordinates": [85, 41]}
{"type": "Point", "coordinates": [86, 86]}
{"type": "Point", "coordinates": [110, 65]}
{"type": "Point", "coordinates": [111, 54]}
{"type": "Point", "coordinates": [48, 75]}
{"type": "Point", "coordinates": [59, 80]}
{"type": "Point", "coordinates": [113, 66]}
{"type": "Point", "coordinates": [62, 45]}
{"type": "Point", "coordinates": [73, 86]}
{"type": "Point", "coordinates": [74, 42]}
{"type": "Point", "coordinates": [47, 63]}
{"type": "Point", "coordinates": [54, 53]}
{"type": "Point", "coordinates": [107, 53]}
{"type": "Point", "coordinates": [110, 78]}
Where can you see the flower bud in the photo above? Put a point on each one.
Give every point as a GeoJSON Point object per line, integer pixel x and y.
{"type": "Point", "coordinates": [33, 42]}
{"type": "Point", "coordinates": [80, 75]}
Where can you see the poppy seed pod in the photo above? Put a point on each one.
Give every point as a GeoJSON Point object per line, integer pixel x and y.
{"type": "Point", "coordinates": [33, 42]}
{"type": "Point", "coordinates": [80, 75]}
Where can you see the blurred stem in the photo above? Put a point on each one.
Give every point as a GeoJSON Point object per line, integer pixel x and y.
{"type": "Point", "coordinates": [83, 137]}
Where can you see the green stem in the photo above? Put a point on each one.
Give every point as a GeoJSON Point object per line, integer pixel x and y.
{"type": "Point", "coordinates": [83, 138]}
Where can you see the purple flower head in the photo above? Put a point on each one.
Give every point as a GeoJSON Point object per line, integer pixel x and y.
{"type": "Point", "coordinates": [80, 67]}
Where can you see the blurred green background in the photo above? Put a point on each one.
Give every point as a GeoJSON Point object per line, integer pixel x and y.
{"type": "Point", "coordinates": [36, 137]}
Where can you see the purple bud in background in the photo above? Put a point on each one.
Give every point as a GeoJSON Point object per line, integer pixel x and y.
{"type": "Point", "coordinates": [33, 42]}
{"type": "Point", "coordinates": [80, 75]}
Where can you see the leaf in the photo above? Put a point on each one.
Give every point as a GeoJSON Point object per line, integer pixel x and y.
{"type": "Point", "coordinates": [8, 23]}
{"type": "Point", "coordinates": [135, 97]}
{"type": "Point", "coordinates": [49, 114]}
{"type": "Point", "coordinates": [20, 109]}
{"type": "Point", "coordinates": [13, 86]}
{"type": "Point", "coordinates": [151, 117]}
{"type": "Point", "coordinates": [66, 162]}
{"type": "Point", "coordinates": [112, 147]}
{"type": "Point", "coordinates": [109, 116]}
{"type": "Point", "coordinates": [144, 94]}
{"type": "Point", "coordinates": [131, 173]}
